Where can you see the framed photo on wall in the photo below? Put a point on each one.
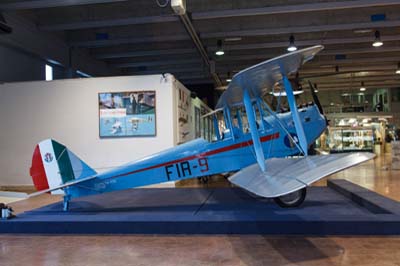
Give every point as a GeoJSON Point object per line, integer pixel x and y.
{"type": "Point", "coordinates": [127, 114]}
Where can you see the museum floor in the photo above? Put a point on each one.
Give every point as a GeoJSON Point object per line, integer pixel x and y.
{"type": "Point", "coordinates": [213, 250]}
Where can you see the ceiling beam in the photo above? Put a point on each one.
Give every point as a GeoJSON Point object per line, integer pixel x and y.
{"type": "Point", "coordinates": [144, 53]}
{"type": "Point", "coordinates": [180, 37]}
{"type": "Point", "coordinates": [227, 57]}
{"type": "Point", "coordinates": [194, 76]}
{"type": "Point", "coordinates": [358, 80]}
{"type": "Point", "coordinates": [355, 76]}
{"type": "Point", "coordinates": [224, 34]}
{"type": "Point", "coordinates": [34, 4]}
{"type": "Point", "coordinates": [371, 50]}
{"type": "Point", "coordinates": [314, 73]}
{"type": "Point", "coordinates": [158, 63]}
{"type": "Point", "coordinates": [372, 60]}
{"type": "Point", "coordinates": [274, 10]}
{"type": "Point", "coordinates": [302, 29]}
{"type": "Point", "coordinates": [329, 80]}
{"type": "Point", "coordinates": [316, 70]}
{"type": "Point", "coordinates": [357, 83]}
{"type": "Point", "coordinates": [167, 70]}
{"type": "Point", "coordinates": [191, 81]}
{"type": "Point", "coordinates": [321, 71]}
{"type": "Point", "coordinates": [352, 61]}
{"type": "Point", "coordinates": [132, 40]}
{"type": "Point", "coordinates": [306, 43]}
{"type": "Point", "coordinates": [369, 85]}
{"type": "Point", "coordinates": [109, 23]}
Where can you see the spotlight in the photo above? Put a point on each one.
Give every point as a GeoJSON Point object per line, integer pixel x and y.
{"type": "Point", "coordinates": [219, 51]}
{"type": "Point", "coordinates": [292, 47]}
{"type": "Point", "coordinates": [377, 42]}
{"type": "Point", "coordinates": [398, 68]}
{"type": "Point", "coordinates": [362, 88]}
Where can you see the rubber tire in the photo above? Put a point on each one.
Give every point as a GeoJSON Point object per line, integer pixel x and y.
{"type": "Point", "coordinates": [204, 179]}
{"type": "Point", "coordinates": [297, 203]}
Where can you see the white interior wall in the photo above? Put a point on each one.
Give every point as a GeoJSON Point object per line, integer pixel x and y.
{"type": "Point", "coordinates": [67, 111]}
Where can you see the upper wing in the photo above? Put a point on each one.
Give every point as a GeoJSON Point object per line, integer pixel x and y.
{"type": "Point", "coordinates": [286, 175]}
{"type": "Point", "coordinates": [261, 77]}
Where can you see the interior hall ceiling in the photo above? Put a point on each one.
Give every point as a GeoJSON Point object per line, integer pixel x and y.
{"type": "Point", "coordinates": [140, 37]}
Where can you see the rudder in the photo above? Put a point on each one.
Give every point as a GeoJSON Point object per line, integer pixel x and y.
{"type": "Point", "coordinates": [53, 164]}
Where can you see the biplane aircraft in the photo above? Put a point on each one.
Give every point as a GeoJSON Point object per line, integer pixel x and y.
{"type": "Point", "coordinates": [260, 145]}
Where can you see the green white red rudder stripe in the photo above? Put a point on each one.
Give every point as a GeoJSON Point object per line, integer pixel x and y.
{"type": "Point", "coordinates": [54, 165]}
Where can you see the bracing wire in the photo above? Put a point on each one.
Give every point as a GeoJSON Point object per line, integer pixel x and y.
{"type": "Point", "coordinates": [282, 126]}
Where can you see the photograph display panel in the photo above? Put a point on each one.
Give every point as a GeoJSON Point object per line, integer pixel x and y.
{"type": "Point", "coordinates": [127, 114]}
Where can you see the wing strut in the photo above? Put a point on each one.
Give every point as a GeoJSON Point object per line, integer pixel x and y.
{"type": "Point", "coordinates": [295, 115]}
{"type": "Point", "coordinates": [253, 130]}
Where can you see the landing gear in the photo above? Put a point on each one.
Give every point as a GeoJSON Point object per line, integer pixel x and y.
{"type": "Point", "coordinates": [67, 198]}
{"type": "Point", "coordinates": [293, 199]}
{"type": "Point", "coordinates": [203, 179]}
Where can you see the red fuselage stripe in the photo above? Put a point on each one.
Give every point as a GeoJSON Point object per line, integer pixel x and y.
{"type": "Point", "coordinates": [201, 155]}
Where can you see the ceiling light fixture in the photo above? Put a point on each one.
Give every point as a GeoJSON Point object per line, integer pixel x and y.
{"type": "Point", "coordinates": [362, 88]}
{"type": "Point", "coordinates": [283, 93]}
{"type": "Point", "coordinates": [398, 68]}
{"type": "Point", "coordinates": [219, 51]}
{"type": "Point", "coordinates": [233, 39]}
{"type": "Point", "coordinates": [292, 47]}
{"type": "Point", "coordinates": [362, 31]}
{"type": "Point", "coordinates": [377, 42]}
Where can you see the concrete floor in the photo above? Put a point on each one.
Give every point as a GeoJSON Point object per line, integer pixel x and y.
{"type": "Point", "coordinates": [213, 250]}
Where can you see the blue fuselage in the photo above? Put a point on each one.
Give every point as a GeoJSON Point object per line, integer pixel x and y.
{"type": "Point", "coordinates": [200, 157]}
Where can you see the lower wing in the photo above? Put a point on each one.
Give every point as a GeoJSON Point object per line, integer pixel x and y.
{"type": "Point", "coordinates": [286, 175]}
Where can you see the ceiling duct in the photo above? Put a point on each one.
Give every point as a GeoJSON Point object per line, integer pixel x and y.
{"type": "Point", "coordinates": [4, 28]}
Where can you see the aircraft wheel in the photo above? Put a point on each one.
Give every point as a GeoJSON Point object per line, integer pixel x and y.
{"type": "Point", "coordinates": [204, 179]}
{"type": "Point", "coordinates": [293, 199]}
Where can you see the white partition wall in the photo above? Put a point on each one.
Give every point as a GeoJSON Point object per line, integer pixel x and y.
{"type": "Point", "coordinates": [67, 111]}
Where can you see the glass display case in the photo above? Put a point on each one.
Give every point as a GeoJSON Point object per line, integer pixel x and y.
{"type": "Point", "coordinates": [344, 139]}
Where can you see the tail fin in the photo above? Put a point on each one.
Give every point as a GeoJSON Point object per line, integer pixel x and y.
{"type": "Point", "coordinates": [53, 165]}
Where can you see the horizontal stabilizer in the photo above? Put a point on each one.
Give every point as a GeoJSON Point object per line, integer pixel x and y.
{"type": "Point", "coordinates": [286, 175]}
{"type": "Point", "coordinates": [68, 184]}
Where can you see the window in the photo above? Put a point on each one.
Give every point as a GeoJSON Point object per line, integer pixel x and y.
{"type": "Point", "coordinates": [49, 73]}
